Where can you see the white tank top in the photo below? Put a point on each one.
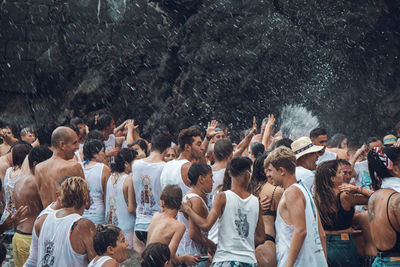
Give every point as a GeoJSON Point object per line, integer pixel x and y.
{"type": "Point", "coordinates": [187, 245]}
{"type": "Point", "coordinates": [9, 195]}
{"type": "Point", "coordinates": [93, 176]}
{"type": "Point", "coordinates": [146, 182]}
{"type": "Point", "coordinates": [311, 253]}
{"type": "Point", "coordinates": [218, 178]}
{"type": "Point", "coordinates": [54, 245]}
{"type": "Point", "coordinates": [116, 207]}
{"type": "Point", "coordinates": [171, 174]}
{"type": "Point", "coordinates": [213, 232]}
{"type": "Point", "coordinates": [237, 227]}
{"type": "Point", "coordinates": [99, 261]}
{"type": "Point", "coordinates": [110, 144]}
{"type": "Point", "coordinates": [33, 250]}
{"type": "Point", "coordinates": [78, 157]}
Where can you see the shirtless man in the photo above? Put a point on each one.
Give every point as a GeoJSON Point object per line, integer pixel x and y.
{"type": "Point", "coordinates": [64, 237]}
{"type": "Point", "coordinates": [164, 227]}
{"type": "Point", "coordinates": [300, 238]}
{"type": "Point", "coordinates": [28, 135]}
{"type": "Point", "coordinates": [25, 193]}
{"type": "Point", "coordinates": [64, 142]}
{"type": "Point", "coordinates": [8, 137]}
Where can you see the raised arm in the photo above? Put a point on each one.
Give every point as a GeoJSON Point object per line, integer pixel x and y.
{"type": "Point", "coordinates": [268, 130]}
{"type": "Point", "coordinates": [210, 133]}
{"type": "Point", "coordinates": [130, 136]}
{"type": "Point", "coordinates": [206, 223]}
{"type": "Point", "coordinates": [296, 209]}
{"type": "Point", "coordinates": [246, 141]}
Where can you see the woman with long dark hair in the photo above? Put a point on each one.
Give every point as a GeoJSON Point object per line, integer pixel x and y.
{"type": "Point", "coordinates": [384, 204]}
{"type": "Point", "coordinates": [336, 210]}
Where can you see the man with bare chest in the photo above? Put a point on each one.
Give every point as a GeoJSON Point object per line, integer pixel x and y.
{"type": "Point", "coordinates": [25, 193]}
{"type": "Point", "coordinates": [64, 142]}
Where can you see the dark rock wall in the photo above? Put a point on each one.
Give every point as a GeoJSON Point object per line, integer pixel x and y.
{"type": "Point", "coordinates": [183, 62]}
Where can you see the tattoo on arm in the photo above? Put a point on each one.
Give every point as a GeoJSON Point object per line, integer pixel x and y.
{"type": "Point", "coordinates": [371, 207]}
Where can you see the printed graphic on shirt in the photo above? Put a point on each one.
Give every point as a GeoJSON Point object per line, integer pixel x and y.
{"type": "Point", "coordinates": [11, 202]}
{"type": "Point", "coordinates": [366, 180]}
{"type": "Point", "coordinates": [112, 213]}
{"type": "Point", "coordinates": [146, 196]}
{"type": "Point", "coordinates": [242, 225]}
{"type": "Point", "coordinates": [48, 258]}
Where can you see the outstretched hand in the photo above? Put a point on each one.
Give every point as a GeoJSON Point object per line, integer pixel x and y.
{"type": "Point", "coordinates": [130, 124]}
{"type": "Point", "coordinates": [254, 128]}
{"type": "Point", "coordinates": [271, 121]}
{"type": "Point", "coordinates": [212, 125]}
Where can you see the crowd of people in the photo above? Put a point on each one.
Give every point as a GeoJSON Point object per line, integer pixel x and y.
{"type": "Point", "coordinates": [94, 194]}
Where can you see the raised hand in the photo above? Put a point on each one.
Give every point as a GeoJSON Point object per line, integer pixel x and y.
{"type": "Point", "coordinates": [271, 121]}
{"type": "Point", "coordinates": [254, 128]}
{"type": "Point", "coordinates": [212, 125]}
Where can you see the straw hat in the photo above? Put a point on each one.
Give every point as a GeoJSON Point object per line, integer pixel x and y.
{"type": "Point", "coordinates": [303, 146]}
{"type": "Point", "coordinates": [389, 139]}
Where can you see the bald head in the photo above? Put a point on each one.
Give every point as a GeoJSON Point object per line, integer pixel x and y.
{"type": "Point", "coordinates": [61, 134]}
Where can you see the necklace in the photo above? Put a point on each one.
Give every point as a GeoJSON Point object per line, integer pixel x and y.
{"type": "Point", "coordinates": [116, 177]}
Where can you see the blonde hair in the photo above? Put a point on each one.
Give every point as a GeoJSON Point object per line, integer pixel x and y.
{"type": "Point", "coordinates": [281, 157]}
{"type": "Point", "coordinates": [74, 193]}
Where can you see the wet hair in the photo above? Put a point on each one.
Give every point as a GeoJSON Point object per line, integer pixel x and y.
{"type": "Point", "coordinates": [95, 134]}
{"type": "Point", "coordinates": [39, 154]}
{"type": "Point", "coordinates": [377, 168]}
{"type": "Point", "coordinates": [59, 183]}
{"type": "Point", "coordinates": [287, 142]}
{"type": "Point", "coordinates": [60, 134]}
{"type": "Point", "coordinates": [281, 157]}
{"type": "Point", "coordinates": [317, 132]}
{"type": "Point", "coordinates": [172, 197]}
{"type": "Point", "coordinates": [160, 142]}
{"type": "Point", "coordinates": [336, 140]}
{"type": "Point", "coordinates": [76, 121]}
{"type": "Point", "coordinates": [257, 149]}
{"type": "Point", "coordinates": [258, 176]}
{"type": "Point", "coordinates": [221, 126]}
{"type": "Point", "coordinates": [75, 128]}
{"type": "Point", "coordinates": [223, 148]}
{"type": "Point", "coordinates": [44, 133]}
{"type": "Point", "coordinates": [155, 255]}
{"type": "Point", "coordinates": [124, 155]}
{"type": "Point", "coordinates": [26, 130]}
{"type": "Point", "coordinates": [14, 129]}
{"type": "Point", "coordinates": [92, 147]}
{"type": "Point", "coordinates": [186, 137]}
{"type": "Point", "coordinates": [238, 166]}
{"type": "Point", "coordinates": [343, 162]}
{"type": "Point", "coordinates": [143, 145]}
{"type": "Point", "coordinates": [19, 153]}
{"type": "Point", "coordinates": [196, 170]}
{"type": "Point", "coordinates": [106, 235]}
{"type": "Point", "coordinates": [325, 197]}
{"type": "Point", "coordinates": [3, 252]}
{"type": "Point", "coordinates": [74, 193]}
{"type": "Point", "coordinates": [103, 121]}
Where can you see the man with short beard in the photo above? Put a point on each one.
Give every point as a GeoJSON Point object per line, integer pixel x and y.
{"type": "Point", "coordinates": [300, 238]}
{"type": "Point", "coordinates": [64, 142]}
{"type": "Point", "coordinates": [176, 171]}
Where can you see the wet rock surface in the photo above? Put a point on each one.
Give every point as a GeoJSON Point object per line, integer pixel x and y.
{"type": "Point", "coordinates": [183, 62]}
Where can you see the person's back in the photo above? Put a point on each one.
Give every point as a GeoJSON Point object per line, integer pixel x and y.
{"type": "Point", "coordinates": [93, 174]}
{"type": "Point", "coordinates": [64, 237]}
{"type": "Point", "coordinates": [237, 228]}
{"type": "Point", "coordinates": [146, 182]}
{"type": "Point", "coordinates": [47, 173]}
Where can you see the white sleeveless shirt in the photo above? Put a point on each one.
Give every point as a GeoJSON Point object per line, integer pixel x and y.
{"type": "Point", "coordinates": [99, 261]}
{"type": "Point", "coordinates": [187, 245]}
{"type": "Point", "coordinates": [93, 176]}
{"type": "Point", "coordinates": [110, 144]}
{"type": "Point", "coordinates": [146, 182]}
{"type": "Point", "coordinates": [33, 250]}
{"type": "Point", "coordinates": [54, 245]}
{"type": "Point", "coordinates": [116, 207]}
{"type": "Point", "coordinates": [237, 226]}
{"type": "Point", "coordinates": [218, 178]}
{"type": "Point", "coordinates": [172, 174]}
{"type": "Point", "coordinates": [9, 195]}
{"type": "Point", "coordinates": [311, 253]}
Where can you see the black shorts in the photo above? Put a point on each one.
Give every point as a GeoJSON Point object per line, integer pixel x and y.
{"type": "Point", "coordinates": [142, 236]}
